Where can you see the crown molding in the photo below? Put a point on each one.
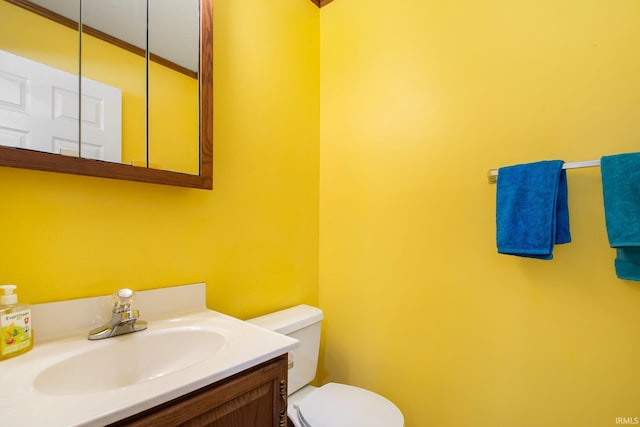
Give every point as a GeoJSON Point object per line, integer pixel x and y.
{"type": "Point", "coordinates": [321, 3]}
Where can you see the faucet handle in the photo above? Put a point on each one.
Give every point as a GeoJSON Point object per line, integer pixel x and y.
{"type": "Point", "coordinates": [123, 300]}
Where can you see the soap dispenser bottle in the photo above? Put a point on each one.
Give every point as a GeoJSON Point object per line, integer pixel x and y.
{"type": "Point", "coordinates": [16, 336]}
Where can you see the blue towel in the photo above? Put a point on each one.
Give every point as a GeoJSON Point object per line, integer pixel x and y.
{"type": "Point", "coordinates": [532, 211]}
{"type": "Point", "coordinates": [621, 191]}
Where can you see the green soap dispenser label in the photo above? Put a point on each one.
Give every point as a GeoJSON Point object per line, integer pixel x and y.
{"type": "Point", "coordinates": [15, 331]}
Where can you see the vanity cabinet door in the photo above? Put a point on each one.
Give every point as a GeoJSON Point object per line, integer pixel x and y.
{"type": "Point", "coordinates": [253, 398]}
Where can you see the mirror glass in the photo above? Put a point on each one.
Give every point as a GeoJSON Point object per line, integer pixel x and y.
{"type": "Point", "coordinates": [127, 109]}
{"type": "Point", "coordinates": [39, 66]}
{"type": "Point", "coordinates": [113, 71]}
{"type": "Point", "coordinates": [173, 85]}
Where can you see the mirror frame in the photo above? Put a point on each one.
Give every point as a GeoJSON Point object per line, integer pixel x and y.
{"type": "Point", "coordinates": [37, 160]}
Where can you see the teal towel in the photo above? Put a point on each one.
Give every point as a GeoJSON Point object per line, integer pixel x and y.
{"type": "Point", "coordinates": [532, 212]}
{"type": "Point", "coordinates": [621, 192]}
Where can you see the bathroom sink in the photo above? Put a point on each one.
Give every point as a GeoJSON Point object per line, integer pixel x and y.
{"type": "Point", "coordinates": [129, 359]}
{"type": "Point", "coordinates": [68, 380]}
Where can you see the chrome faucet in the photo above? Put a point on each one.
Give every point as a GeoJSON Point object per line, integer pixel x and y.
{"type": "Point", "coordinates": [124, 320]}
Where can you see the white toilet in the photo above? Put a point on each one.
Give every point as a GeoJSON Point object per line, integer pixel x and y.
{"type": "Point", "coordinates": [332, 405]}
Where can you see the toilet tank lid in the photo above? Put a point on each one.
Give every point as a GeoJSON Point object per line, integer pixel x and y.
{"type": "Point", "coordinates": [290, 319]}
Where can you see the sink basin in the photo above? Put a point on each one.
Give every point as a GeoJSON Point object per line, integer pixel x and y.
{"type": "Point", "coordinates": [129, 359]}
{"type": "Point", "coordinates": [67, 380]}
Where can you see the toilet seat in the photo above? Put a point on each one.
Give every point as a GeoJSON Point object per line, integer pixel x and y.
{"type": "Point", "coordinates": [341, 405]}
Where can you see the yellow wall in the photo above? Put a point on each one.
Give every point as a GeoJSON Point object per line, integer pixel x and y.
{"type": "Point", "coordinates": [253, 239]}
{"type": "Point", "coordinates": [173, 100]}
{"type": "Point", "coordinates": [418, 100]}
{"type": "Point", "coordinates": [410, 103]}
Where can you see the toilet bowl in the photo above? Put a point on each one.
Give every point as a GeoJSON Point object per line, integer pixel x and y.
{"type": "Point", "coordinates": [341, 405]}
{"type": "Point", "coordinates": [333, 404]}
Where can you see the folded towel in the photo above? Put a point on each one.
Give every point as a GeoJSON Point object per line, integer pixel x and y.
{"type": "Point", "coordinates": [532, 211]}
{"type": "Point", "coordinates": [621, 192]}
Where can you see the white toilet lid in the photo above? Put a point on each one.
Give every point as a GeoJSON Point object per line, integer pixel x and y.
{"type": "Point", "coordinates": [340, 405]}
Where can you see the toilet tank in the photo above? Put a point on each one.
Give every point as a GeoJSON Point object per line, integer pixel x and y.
{"type": "Point", "coordinates": [301, 322]}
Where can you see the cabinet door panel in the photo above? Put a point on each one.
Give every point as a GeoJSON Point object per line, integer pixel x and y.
{"type": "Point", "coordinates": [255, 397]}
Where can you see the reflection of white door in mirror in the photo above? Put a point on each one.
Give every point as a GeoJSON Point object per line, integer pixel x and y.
{"type": "Point", "coordinates": [39, 110]}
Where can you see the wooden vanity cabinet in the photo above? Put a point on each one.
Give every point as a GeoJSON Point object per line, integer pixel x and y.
{"type": "Point", "coordinates": [256, 397]}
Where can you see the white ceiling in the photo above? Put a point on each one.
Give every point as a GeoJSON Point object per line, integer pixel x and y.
{"type": "Point", "coordinates": [173, 24]}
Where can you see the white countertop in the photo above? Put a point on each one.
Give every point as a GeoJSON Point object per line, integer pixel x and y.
{"type": "Point", "coordinates": [23, 404]}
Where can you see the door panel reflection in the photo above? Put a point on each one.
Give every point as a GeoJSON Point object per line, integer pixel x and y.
{"type": "Point", "coordinates": [38, 81]}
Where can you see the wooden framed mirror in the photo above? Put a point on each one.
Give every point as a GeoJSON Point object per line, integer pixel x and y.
{"type": "Point", "coordinates": [68, 161]}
